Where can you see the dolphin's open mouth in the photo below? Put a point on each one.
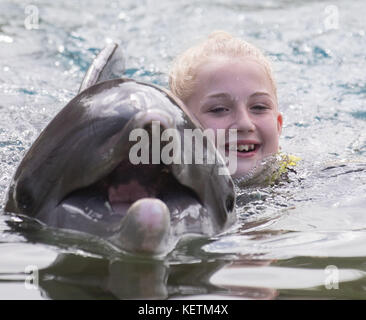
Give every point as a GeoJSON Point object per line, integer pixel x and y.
{"type": "Point", "coordinates": [118, 189]}
{"type": "Point", "coordinates": [126, 184]}
{"type": "Point", "coordinates": [129, 183]}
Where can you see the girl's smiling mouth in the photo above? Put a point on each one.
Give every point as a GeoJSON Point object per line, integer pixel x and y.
{"type": "Point", "coordinates": [243, 148]}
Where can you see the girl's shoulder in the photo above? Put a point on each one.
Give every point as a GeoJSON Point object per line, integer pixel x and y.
{"type": "Point", "coordinates": [272, 171]}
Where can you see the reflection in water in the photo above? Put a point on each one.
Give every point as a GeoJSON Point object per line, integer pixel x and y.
{"type": "Point", "coordinates": [87, 268]}
{"type": "Point", "coordinates": [72, 276]}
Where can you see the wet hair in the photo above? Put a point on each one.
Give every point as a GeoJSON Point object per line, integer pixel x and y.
{"type": "Point", "coordinates": [218, 44]}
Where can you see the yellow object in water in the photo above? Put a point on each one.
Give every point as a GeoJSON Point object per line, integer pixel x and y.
{"type": "Point", "coordinates": [285, 163]}
{"type": "Point", "coordinates": [288, 160]}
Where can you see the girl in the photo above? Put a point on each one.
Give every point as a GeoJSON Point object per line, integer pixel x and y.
{"type": "Point", "coordinates": [228, 83]}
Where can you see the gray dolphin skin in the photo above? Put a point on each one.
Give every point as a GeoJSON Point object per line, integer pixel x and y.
{"type": "Point", "coordinates": [78, 175]}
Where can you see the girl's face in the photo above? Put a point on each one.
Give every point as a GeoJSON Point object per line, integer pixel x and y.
{"type": "Point", "coordinates": [238, 94]}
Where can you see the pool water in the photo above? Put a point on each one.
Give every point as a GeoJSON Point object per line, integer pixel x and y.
{"type": "Point", "coordinates": [301, 239]}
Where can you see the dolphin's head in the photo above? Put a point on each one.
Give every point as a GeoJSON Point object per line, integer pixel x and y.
{"type": "Point", "coordinates": [83, 171]}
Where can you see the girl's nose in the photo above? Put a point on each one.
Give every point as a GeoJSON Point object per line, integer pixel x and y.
{"type": "Point", "coordinates": [242, 120]}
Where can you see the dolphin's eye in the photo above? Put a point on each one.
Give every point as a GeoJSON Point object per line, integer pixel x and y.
{"type": "Point", "coordinates": [24, 199]}
{"type": "Point", "coordinates": [229, 203]}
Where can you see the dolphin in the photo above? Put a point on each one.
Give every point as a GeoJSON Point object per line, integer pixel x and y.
{"type": "Point", "coordinates": [78, 175]}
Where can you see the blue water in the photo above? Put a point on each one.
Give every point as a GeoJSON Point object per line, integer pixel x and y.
{"type": "Point", "coordinates": [299, 239]}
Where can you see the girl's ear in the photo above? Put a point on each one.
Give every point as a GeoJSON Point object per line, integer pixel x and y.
{"type": "Point", "coordinates": [279, 123]}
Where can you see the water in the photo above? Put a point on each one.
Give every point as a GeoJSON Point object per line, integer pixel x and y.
{"type": "Point", "coordinates": [302, 239]}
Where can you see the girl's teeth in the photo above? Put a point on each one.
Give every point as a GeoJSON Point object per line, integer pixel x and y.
{"type": "Point", "coordinates": [245, 147]}
{"type": "Point", "coordinates": [242, 147]}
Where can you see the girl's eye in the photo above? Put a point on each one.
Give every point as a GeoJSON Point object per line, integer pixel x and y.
{"type": "Point", "coordinates": [218, 109]}
{"type": "Point", "coordinates": [259, 108]}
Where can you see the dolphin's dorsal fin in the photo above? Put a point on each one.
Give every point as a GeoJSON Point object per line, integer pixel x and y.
{"type": "Point", "coordinates": [108, 64]}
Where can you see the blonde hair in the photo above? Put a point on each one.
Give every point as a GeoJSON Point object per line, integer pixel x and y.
{"type": "Point", "coordinates": [218, 44]}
